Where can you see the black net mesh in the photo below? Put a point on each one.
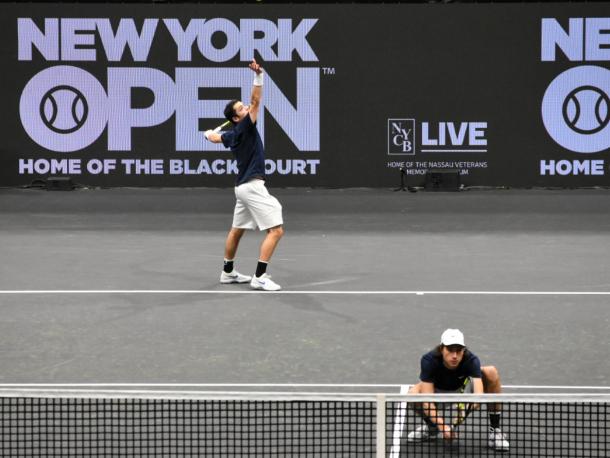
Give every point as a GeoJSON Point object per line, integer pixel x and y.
{"type": "Point", "coordinates": [144, 428]}
{"type": "Point", "coordinates": [526, 429]}
{"type": "Point", "coordinates": [73, 426]}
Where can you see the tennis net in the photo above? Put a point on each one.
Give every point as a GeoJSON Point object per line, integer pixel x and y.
{"type": "Point", "coordinates": [525, 426]}
{"type": "Point", "coordinates": [85, 423]}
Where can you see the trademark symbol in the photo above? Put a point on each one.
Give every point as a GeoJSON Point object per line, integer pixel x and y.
{"type": "Point", "coordinates": [328, 70]}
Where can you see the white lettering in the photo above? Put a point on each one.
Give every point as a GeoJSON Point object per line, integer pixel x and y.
{"type": "Point", "coordinates": [547, 166]}
{"type": "Point", "coordinates": [204, 167]}
{"type": "Point", "coordinates": [74, 39]}
{"type": "Point", "coordinates": [124, 117]}
{"type": "Point", "coordinates": [457, 138]}
{"type": "Point", "coordinates": [597, 45]}
{"type": "Point", "coordinates": [143, 166]}
{"type": "Point", "coordinates": [218, 167]}
{"type": "Point", "coordinates": [476, 133]}
{"type": "Point", "coordinates": [455, 134]}
{"type": "Point", "coordinates": [184, 38]}
{"type": "Point", "coordinates": [289, 41]}
{"type": "Point", "coordinates": [127, 36]}
{"type": "Point", "coordinates": [553, 36]}
{"type": "Point", "coordinates": [591, 35]}
{"type": "Point", "coordinates": [426, 140]}
{"type": "Point", "coordinates": [263, 44]}
{"type": "Point", "coordinates": [26, 166]}
{"type": "Point", "coordinates": [175, 167]}
{"type": "Point", "coordinates": [53, 166]}
{"type": "Point", "coordinates": [47, 42]}
{"type": "Point", "coordinates": [95, 166]}
{"type": "Point", "coordinates": [574, 167]}
{"type": "Point", "coordinates": [207, 48]}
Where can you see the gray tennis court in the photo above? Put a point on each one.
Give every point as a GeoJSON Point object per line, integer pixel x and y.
{"type": "Point", "coordinates": [121, 286]}
{"type": "Point", "coordinates": [117, 337]}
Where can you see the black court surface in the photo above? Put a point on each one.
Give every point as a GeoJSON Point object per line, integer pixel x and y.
{"type": "Point", "coordinates": [121, 286]}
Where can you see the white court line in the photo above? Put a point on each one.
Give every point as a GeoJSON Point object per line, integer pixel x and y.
{"type": "Point", "coordinates": [555, 387]}
{"type": "Point", "coordinates": [204, 291]}
{"type": "Point", "coordinates": [399, 424]}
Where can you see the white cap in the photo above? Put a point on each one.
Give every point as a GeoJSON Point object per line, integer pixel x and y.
{"type": "Point", "coordinates": [452, 337]}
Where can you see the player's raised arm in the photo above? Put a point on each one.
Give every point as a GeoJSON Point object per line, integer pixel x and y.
{"type": "Point", "coordinates": [257, 90]}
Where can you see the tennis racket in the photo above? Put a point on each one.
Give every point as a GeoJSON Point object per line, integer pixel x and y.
{"type": "Point", "coordinates": [222, 126]}
{"type": "Point", "coordinates": [462, 410]}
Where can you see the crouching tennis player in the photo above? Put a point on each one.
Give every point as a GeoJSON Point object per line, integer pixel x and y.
{"type": "Point", "coordinates": [451, 368]}
{"type": "Point", "coordinates": [254, 206]}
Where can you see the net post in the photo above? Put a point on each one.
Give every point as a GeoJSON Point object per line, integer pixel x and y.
{"type": "Point", "coordinates": [381, 425]}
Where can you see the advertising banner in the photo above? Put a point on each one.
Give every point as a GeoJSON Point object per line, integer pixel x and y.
{"type": "Point", "coordinates": [120, 95]}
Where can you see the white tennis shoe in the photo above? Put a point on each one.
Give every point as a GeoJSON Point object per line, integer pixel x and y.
{"type": "Point", "coordinates": [264, 283]}
{"type": "Point", "coordinates": [497, 440]}
{"type": "Point", "coordinates": [234, 277]}
{"type": "Point", "coordinates": [423, 433]}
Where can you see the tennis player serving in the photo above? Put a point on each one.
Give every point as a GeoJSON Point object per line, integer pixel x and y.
{"type": "Point", "coordinates": [254, 206]}
{"type": "Point", "coordinates": [452, 368]}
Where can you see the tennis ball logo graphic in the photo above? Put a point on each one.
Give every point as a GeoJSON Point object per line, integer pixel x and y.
{"type": "Point", "coordinates": [64, 109]}
{"type": "Point", "coordinates": [586, 110]}
{"type": "Point", "coordinates": [576, 109]}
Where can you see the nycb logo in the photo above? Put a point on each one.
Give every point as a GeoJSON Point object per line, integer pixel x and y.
{"type": "Point", "coordinates": [401, 136]}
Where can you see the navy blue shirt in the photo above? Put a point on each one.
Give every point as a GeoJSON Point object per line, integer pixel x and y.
{"type": "Point", "coordinates": [247, 147]}
{"type": "Point", "coordinates": [434, 371]}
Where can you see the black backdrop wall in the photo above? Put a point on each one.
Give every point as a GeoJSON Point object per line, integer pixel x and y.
{"type": "Point", "coordinates": [119, 95]}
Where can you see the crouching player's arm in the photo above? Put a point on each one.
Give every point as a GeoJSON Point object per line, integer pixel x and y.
{"type": "Point", "coordinates": [431, 412]}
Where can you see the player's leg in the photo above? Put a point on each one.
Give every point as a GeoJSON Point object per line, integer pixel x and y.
{"type": "Point", "coordinates": [491, 379]}
{"type": "Point", "coordinates": [492, 384]}
{"type": "Point", "coordinates": [270, 242]}
{"type": "Point", "coordinates": [261, 280]}
{"type": "Point", "coordinates": [242, 220]}
{"type": "Point", "coordinates": [267, 212]}
{"type": "Point", "coordinates": [232, 242]}
{"type": "Point", "coordinates": [426, 431]}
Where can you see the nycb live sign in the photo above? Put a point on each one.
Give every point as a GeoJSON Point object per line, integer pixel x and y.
{"type": "Point", "coordinates": [437, 137]}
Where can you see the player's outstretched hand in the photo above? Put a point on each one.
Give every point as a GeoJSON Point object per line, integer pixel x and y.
{"type": "Point", "coordinates": [449, 433]}
{"type": "Point", "coordinates": [255, 67]}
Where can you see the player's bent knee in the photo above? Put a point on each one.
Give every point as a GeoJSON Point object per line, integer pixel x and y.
{"type": "Point", "coordinates": [490, 373]}
{"type": "Point", "coordinates": [414, 389]}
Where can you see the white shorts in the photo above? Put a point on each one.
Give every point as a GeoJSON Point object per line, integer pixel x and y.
{"type": "Point", "coordinates": [255, 207]}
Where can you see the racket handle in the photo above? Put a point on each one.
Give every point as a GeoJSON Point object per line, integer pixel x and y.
{"type": "Point", "coordinates": [222, 126]}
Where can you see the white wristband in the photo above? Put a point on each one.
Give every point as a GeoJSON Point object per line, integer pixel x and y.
{"type": "Point", "coordinates": [258, 79]}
